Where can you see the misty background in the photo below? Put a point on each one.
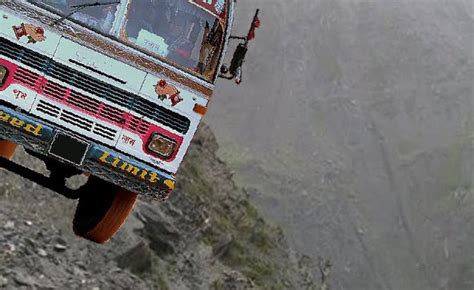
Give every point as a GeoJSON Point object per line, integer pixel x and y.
{"type": "Point", "coordinates": [353, 130]}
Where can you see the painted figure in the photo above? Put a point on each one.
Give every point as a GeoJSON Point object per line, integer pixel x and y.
{"type": "Point", "coordinates": [165, 90]}
{"type": "Point", "coordinates": [32, 32]}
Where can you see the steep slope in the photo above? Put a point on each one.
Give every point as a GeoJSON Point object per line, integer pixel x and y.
{"type": "Point", "coordinates": [207, 236]}
{"type": "Point", "coordinates": [353, 131]}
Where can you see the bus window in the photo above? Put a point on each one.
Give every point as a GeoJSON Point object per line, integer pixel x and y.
{"type": "Point", "coordinates": [99, 18]}
{"type": "Point", "coordinates": [179, 31]}
{"type": "Point", "coordinates": [186, 33]}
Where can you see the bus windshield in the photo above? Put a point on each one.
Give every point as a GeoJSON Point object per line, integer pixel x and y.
{"type": "Point", "coordinates": [99, 18]}
{"type": "Point", "coordinates": [185, 33]}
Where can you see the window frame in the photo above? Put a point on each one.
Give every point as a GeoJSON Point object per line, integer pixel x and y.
{"type": "Point", "coordinates": [119, 24]}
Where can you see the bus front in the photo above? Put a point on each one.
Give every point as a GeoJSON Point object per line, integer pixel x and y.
{"type": "Point", "coordinates": [113, 89]}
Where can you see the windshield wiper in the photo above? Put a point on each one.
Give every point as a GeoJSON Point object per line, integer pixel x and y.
{"type": "Point", "coordinates": [77, 8]}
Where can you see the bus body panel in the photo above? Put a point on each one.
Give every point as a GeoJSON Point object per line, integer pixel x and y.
{"type": "Point", "coordinates": [16, 93]}
{"type": "Point", "coordinates": [187, 98]}
{"type": "Point", "coordinates": [9, 21]}
{"type": "Point", "coordinates": [86, 60]}
{"type": "Point", "coordinates": [74, 86]}
{"type": "Point", "coordinates": [99, 65]}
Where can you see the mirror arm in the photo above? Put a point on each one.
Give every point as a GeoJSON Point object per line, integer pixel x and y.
{"type": "Point", "coordinates": [238, 37]}
{"type": "Point", "coordinates": [227, 77]}
{"type": "Point", "coordinates": [238, 59]}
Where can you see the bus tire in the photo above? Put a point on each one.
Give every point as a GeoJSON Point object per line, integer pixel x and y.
{"type": "Point", "coordinates": [102, 210]}
{"type": "Point", "coordinates": [7, 149]}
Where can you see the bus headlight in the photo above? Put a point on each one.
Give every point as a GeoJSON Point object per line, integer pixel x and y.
{"type": "Point", "coordinates": [3, 75]}
{"type": "Point", "coordinates": [161, 145]}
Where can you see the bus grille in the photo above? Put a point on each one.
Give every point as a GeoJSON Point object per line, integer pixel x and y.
{"type": "Point", "coordinates": [72, 119]}
{"type": "Point", "coordinates": [27, 78]}
{"type": "Point", "coordinates": [91, 85]}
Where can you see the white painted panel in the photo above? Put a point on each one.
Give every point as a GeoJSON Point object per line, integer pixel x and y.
{"type": "Point", "coordinates": [129, 142]}
{"type": "Point", "coordinates": [46, 46]}
{"type": "Point", "coordinates": [189, 99]}
{"type": "Point", "coordinates": [135, 148]}
{"type": "Point", "coordinates": [100, 64]}
{"type": "Point", "coordinates": [19, 96]}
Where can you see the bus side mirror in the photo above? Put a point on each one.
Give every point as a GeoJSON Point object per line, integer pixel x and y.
{"type": "Point", "coordinates": [234, 71]}
{"type": "Point", "coordinates": [238, 58]}
{"type": "Point", "coordinates": [224, 69]}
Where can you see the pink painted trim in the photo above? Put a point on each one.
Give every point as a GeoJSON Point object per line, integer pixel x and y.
{"type": "Point", "coordinates": [11, 71]}
{"type": "Point", "coordinates": [42, 83]}
{"type": "Point", "coordinates": [156, 129]}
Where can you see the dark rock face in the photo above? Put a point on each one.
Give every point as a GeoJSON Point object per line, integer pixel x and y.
{"type": "Point", "coordinates": [207, 236]}
{"type": "Point", "coordinates": [164, 237]}
{"type": "Point", "coordinates": [137, 260]}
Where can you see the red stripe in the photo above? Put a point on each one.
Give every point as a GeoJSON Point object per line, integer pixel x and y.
{"type": "Point", "coordinates": [103, 112]}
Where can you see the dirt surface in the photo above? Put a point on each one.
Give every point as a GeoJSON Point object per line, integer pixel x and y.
{"type": "Point", "coordinates": [207, 236]}
{"type": "Point", "coordinates": [353, 130]}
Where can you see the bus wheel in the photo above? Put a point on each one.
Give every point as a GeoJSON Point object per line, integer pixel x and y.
{"type": "Point", "coordinates": [102, 210]}
{"type": "Point", "coordinates": [7, 149]}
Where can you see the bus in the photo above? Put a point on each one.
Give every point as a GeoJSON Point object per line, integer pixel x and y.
{"type": "Point", "coordinates": [114, 90]}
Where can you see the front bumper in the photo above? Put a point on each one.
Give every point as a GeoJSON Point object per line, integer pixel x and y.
{"type": "Point", "coordinates": [99, 160]}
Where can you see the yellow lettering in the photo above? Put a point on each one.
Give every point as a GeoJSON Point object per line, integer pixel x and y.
{"type": "Point", "coordinates": [4, 117]}
{"type": "Point", "coordinates": [104, 157]}
{"type": "Point", "coordinates": [124, 166]}
{"type": "Point", "coordinates": [169, 183]}
{"type": "Point", "coordinates": [132, 169]}
{"type": "Point", "coordinates": [153, 177]}
{"type": "Point", "coordinates": [116, 162]}
{"type": "Point", "coordinates": [17, 123]}
{"type": "Point", "coordinates": [143, 174]}
{"type": "Point", "coordinates": [35, 130]}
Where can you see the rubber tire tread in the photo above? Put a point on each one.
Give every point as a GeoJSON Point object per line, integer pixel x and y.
{"type": "Point", "coordinates": [7, 149]}
{"type": "Point", "coordinates": [102, 210]}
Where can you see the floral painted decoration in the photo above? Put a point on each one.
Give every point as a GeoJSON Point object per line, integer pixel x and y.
{"type": "Point", "coordinates": [33, 33]}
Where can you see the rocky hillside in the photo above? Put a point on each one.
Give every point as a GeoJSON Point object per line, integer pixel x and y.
{"type": "Point", "coordinates": [207, 236]}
